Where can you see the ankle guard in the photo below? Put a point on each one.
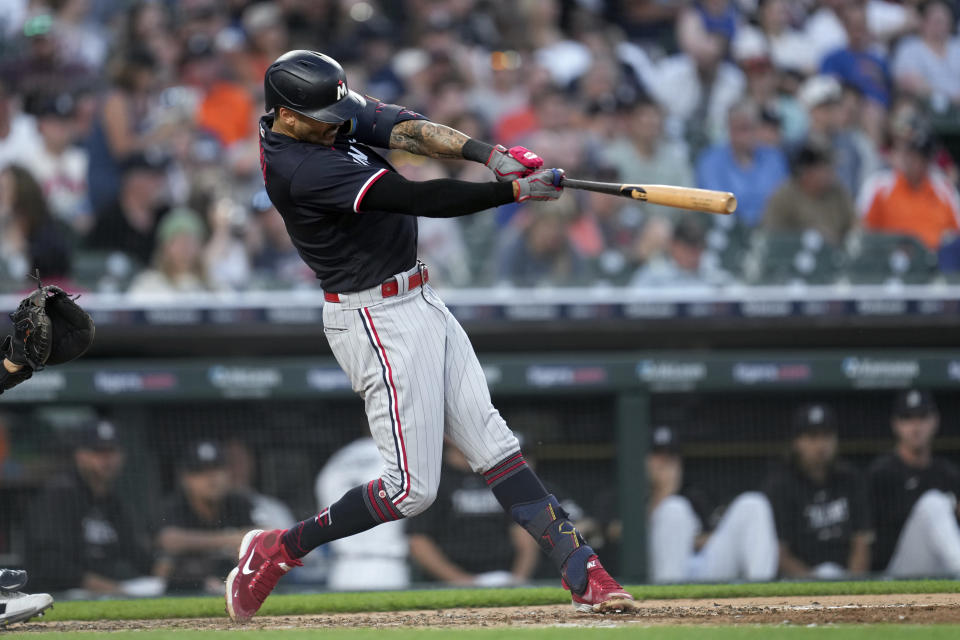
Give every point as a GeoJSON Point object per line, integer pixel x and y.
{"type": "Point", "coordinates": [550, 526]}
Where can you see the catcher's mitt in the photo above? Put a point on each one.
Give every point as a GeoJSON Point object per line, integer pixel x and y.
{"type": "Point", "coordinates": [49, 327]}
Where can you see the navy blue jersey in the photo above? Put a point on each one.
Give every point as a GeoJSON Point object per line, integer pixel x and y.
{"type": "Point", "coordinates": [319, 192]}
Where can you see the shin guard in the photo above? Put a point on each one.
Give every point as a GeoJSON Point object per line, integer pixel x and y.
{"type": "Point", "coordinates": [550, 526]}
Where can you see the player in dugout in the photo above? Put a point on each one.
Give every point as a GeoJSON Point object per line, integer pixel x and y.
{"type": "Point", "coordinates": [914, 496]}
{"type": "Point", "coordinates": [819, 503]}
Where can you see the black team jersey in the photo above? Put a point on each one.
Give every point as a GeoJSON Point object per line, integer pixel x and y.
{"type": "Point", "coordinates": [894, 488]}
{"type": "Point", "coordinates": [817, 521]}
{"type": "Point", "coordinates": [319, 191]}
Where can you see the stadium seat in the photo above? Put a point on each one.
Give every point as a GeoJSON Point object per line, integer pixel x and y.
{"type": "Point", "coordinates": [104, 271]}
{"type": "Point", "coordinates": [787, 257]}
{"type": "Point", "coordinates": [729, 241]}
{"type": "Point", "coordinates": [876, 258]}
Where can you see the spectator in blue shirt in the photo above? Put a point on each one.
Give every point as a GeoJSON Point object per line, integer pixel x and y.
{"type": "Point", "coordinates": [857, 64]}
{"type": "Point", "coordinates": [861, 67]}
{"type": "Point", "coordinates": [744, 166]}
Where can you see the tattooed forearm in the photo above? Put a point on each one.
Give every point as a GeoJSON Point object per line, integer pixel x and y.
{"type": "Point", "coordinates": [426, 138]}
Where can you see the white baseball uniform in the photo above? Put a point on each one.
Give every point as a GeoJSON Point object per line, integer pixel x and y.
{"type": "Point", "coordinates": [419, 377]}
{"type": "Point", "coordinates": [743, 546]}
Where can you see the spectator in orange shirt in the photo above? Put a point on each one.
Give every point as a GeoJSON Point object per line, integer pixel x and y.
{"type": "Point", "coordinates": [914, 197]}
{"type": "Point", "coordinates": [225, 109]}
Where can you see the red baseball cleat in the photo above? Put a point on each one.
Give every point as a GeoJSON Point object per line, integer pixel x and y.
{"type": "Point", "coordinates": [263, 561]}
{"type": "Point", "coordinates": [603, 593]}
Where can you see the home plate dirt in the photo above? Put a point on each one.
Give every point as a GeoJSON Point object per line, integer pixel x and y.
{"type": "Point", "coordinates": [912, 609]}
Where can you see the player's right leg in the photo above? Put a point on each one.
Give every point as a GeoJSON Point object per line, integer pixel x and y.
{"type": "Point", "coordinates": [16, 606]}
{"type": "Point", "coordinates": [478, 430]}
{"type": "Point", "coordinates": [672, 532]}
{"type": "Point", "coordinates": [929, 543]}
{"type": "Point", "coordinates": [393, 354]}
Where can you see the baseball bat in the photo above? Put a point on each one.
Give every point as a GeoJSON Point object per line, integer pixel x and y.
{"type": "Point", "coordinates": [722, 202]}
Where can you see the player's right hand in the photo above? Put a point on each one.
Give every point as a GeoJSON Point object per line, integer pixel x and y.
{"type": "Point", "coordinates": [515, 162]}
{"type": "Point", "coordinates": [545, 184]}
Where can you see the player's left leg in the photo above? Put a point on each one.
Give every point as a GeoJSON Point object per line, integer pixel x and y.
{"type": "Point", "coordinates": [16, 606]}
{"type": "Point", "coordinates": [744, 544]}
{"type": "Point", "coordinates": [479, 431]}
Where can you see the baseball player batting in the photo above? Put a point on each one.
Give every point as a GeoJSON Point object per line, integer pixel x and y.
{"type": "Point", "coordinates": [353, 219]}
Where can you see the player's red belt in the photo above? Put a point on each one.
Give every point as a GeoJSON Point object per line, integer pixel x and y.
{"type": "Point", "coordinates": [391, 287]}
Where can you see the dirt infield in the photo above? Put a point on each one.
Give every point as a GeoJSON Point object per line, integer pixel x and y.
{"type": "Point", "coordinates": [913, 609]}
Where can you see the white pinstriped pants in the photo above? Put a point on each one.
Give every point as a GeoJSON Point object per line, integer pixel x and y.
{"type": "Point", "coordinates": [414, 367]}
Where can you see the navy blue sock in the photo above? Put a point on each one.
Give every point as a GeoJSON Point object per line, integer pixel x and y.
{"type": "Point", "coordinates": [361, 508]}
{"type": "Point", "coordinates": [522, 495]}
{"type": "Point", "coordinates": [513, 482]}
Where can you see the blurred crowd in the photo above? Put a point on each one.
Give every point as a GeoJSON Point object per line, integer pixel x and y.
{"type": "Point", "coordinates": [129, 155]}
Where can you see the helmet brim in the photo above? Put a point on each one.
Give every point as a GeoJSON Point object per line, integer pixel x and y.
{"type": "Point", "coordinates": [340, 111]}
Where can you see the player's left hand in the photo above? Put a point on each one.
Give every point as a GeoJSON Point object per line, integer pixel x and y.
{"type": "Point", "coordinates": [49, 327]}
{"type": "Point", "coordinates": [546, 184]}
{"type": "Point", "coordinates": [515, 162]}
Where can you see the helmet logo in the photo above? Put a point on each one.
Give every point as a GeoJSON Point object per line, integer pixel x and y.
{"type": "Point", "coordinates": [341, 89]}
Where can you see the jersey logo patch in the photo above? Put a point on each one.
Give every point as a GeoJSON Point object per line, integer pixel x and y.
{"type": "Point", "coordinates": [358, 156]}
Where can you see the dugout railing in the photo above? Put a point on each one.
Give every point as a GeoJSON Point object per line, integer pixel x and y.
{"type": "Point", "coordinates": [586, 418]}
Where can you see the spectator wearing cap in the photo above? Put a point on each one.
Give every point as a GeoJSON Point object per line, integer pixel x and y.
{"type": "Point", "coordinates": [928, 65]}
{"type": "Point", "coordinates": [176, 266]}
{"type": "Point", "coordinates": [683, 266]}
{"type": "Point", "coordinates": [129, 223]}
{"type": "Point", "coordinates": [201, 525]}
{"type": "Point", "coordinates": [37, 60]}
{"type": "Point", "coordinates": [81, 533]}
{"type": "Point", "coordinates": [914, 197]}
{"type": "Point", "coordinates": [743, 165]}
{"type": "Point", "coordinates": [59, 165]}
{"type": "Point", "coordinates": [854, 154]}
{"type": "Point", "coordinates": [819, 503]}
{"type": "Point", "coordinates": [812, 198]}
{"type": "Point", "coordinates": [689, 541]}
{"type": "Point", "coordinates": [913, 494]}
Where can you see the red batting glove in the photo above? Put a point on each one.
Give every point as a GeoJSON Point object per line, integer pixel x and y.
{"type": "Point", "coordinates": [513, 163]}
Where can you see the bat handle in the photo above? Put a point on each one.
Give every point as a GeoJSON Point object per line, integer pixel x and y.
{"type": "Point", "coordinates": [590, 185]}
